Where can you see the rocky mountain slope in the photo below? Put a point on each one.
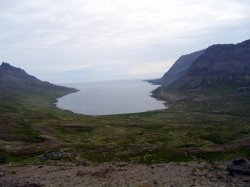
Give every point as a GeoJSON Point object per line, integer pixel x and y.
{"type": "Point", "coordinates": [179, 68]}
{"type": "Point", "coordinates": [226, 64]}
{"type": "Point", "coordinates": [15, 80]}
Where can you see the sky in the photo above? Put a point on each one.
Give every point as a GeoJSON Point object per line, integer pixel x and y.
{"type": "Point", "coordinates": [93, 40]}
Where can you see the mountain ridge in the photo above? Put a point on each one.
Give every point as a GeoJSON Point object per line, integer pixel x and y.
{"type": "Point", "coordinates": [179, 67]}
{"type": "Point", "coordinates": [220, 64]}
{"type": "Point", "coordinates": [14, 80]}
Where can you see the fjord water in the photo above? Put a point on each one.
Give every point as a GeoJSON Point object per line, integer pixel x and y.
{"type": "Point", "coordinates": [110, 97]}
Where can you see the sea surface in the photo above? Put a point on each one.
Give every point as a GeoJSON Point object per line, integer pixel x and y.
{"type": "Point", "coordinates": [110, 97]}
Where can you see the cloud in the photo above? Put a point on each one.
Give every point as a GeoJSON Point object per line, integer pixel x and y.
{"type": "Point", "coordinates": [109, 37]}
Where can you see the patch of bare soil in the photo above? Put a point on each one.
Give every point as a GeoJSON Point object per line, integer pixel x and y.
{"type": "Point", "coordinates": [122, 174]}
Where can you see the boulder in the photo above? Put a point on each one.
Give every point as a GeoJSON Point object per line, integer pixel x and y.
{"type": "Point", "coordinates": [239, 166]}
{"type": "Point", "coordinates": [52, 155]}
{"type": "Point", "coordinates": [2, 174]}
{"type": "Point", "coordinates": [47, 155]}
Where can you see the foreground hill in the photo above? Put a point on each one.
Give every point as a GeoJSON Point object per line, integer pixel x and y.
{"type": "Point", "coordinates": [219, 65]}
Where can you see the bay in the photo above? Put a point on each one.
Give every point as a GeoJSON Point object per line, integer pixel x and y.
{"type": "Point", "coordinates": [111, 97]}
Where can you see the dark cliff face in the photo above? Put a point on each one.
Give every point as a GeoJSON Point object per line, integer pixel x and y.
{"type": "Point", "coordinates": [218, 65]}
{"type": "Point", "coordinates": [179, 68]}
{"type": "Point", "coordinates": [14, 79]}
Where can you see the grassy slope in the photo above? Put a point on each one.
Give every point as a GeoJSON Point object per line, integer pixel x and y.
{"type": "Point", "coordinates": [213, 129]}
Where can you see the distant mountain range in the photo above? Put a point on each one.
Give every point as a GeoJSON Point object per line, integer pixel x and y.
{"type": "Point", "coordinates": [15, 80]}
{"type": "Point", "coordinates": [226, 64]}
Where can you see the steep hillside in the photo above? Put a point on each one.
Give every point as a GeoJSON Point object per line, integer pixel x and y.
{"type": "Point", "coordinates": [179, 68]}
{"type": "Point", "coordinates": [219, 65]}
{"type": "Point", "coordinates": [15, 81]}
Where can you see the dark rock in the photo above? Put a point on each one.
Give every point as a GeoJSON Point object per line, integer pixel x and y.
{"type": "Point", "coordinates": [49, 155]}
{"type": "Point", "coordinates": [80, 173]}
{"type": "Point", "coordinates": [52, 155]}
{"type": "Point", "coordinates": [121, 169]}
{"type": "Point", "coordinates": [239, 166]}
{"type": "Point", "coordinates": [155, 182]}
{"type": "Point", "coordinates": [2, 174]}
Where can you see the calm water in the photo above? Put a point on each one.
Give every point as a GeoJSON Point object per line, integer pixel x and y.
{"type": "Point", "coordinates": [113, 97]}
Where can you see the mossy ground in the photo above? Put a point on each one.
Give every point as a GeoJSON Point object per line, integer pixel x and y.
{"type": "Point", "coordinates": [211, 126]}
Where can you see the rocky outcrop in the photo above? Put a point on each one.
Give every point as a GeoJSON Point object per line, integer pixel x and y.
{"type": "Point", "coordinates": [52, 155]}
{"type": "Point", "coordinates": [240, 167]}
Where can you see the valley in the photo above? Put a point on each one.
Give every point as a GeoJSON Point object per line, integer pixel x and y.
{"type": "Point", "coordinates": [201, 125]}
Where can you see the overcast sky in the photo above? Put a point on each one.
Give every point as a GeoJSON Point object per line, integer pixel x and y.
{"type": "Point", "coordinates": [90, 40]}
